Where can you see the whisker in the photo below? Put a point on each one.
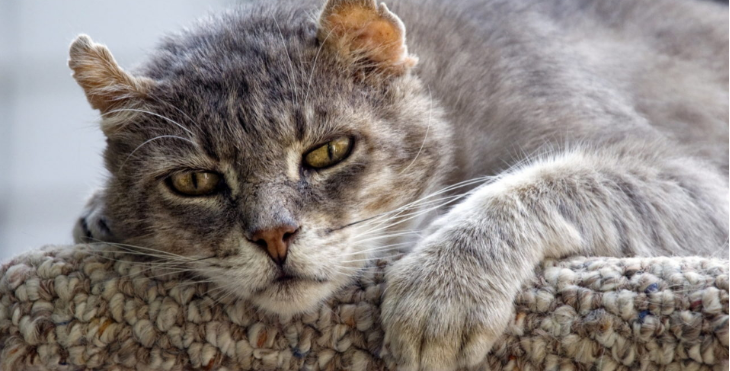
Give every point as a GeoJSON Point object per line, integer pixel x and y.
{"type": "Point", "coordinates": [452, 187]}
{"type": "Point", "coordinates": [375, 249]}
{"type": "Point", "coordinates": [430, 111]}
{"type": "Point", "coordinates": [362, 268]}
{"type": "Point", "coordinates": [142, 268]}
{"type": "Point", "coordinates": [151, 140]}
{"type": "Point", "coordinates": [407, 217]}
{"type": "Point", "coordinates": [171, 273]}
{"type": "Point", "coordinates": [420, 203]}
{"type": "Point", "coordinates": [390, 214]}
{"type": "Point", "coordinates": [400, 213]}
{"type": "Point", "coordinates": [416, 202]}
{"type": "Point", "coordinates": [412, 204]}
{"type": "Point", "coordinates": [150, 113]}
{"type": "Point", "coordinates": [369, 259]}
{"type": "Point", "coordinates": [153, 264]}
{"type": "Point", "coordinates": [135, 247]}
{"type": "Point", "coordinates": [314, 64]}
{"type": "Point", "coordinates": [291, 64]}
{"type": "Point", "coordinates": [129, 252]}
{"type": "Point", "coordinates": [227, 292]}
{"type": "Point", "coordinates": [386, 236]}
{"type": "Point", "coordinates": [137, 271]}
{"type": "Point", "coordinates": [181, 112]}
{"type": "Point", "coordinates": [190, 283]}
{"type": "Point", "coordinates": [171, 269]}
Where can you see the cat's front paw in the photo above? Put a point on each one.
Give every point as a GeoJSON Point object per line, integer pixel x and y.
{"type": "Point", "coordinates": [92, 225]}
{"type": "Point", "coordinates": [442, 310]}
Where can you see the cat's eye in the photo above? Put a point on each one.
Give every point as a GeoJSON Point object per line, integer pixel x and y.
{"type": "Point", "coordinates": [195, 183]}
{"type": "Point", "coordinates": [329, 153]}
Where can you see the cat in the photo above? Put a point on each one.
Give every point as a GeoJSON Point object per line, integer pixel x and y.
{"type": "Point", "coordinates": [278, 148]}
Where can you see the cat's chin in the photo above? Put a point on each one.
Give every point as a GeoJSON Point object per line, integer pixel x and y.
{"type": "Point", "coordinates": [293, 297]}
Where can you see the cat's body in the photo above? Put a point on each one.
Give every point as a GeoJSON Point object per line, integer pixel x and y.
{"type": "Point", "coordinates": [585, 127]}
{"type": "Point", "coordinates": [625, 66]}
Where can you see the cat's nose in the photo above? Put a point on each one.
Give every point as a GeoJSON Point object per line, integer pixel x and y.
{"type": "Point", "coordinates": [275, 241]}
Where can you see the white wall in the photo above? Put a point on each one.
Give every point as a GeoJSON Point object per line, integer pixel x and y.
{"type": "Point", "coordinates": [50, 146]}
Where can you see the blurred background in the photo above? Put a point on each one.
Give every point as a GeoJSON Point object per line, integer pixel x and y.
{"type": "Point", "coordinates": [50, 146]}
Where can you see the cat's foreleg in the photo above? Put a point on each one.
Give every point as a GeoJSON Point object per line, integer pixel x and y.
{"type": "Point", "coordinates": [92, 225]}
{"type": "Point", "coordinates": [451, 298]}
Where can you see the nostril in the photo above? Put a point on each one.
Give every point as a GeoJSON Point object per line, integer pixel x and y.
{"type": "Point", "coordinates": [289, 235]}
{"type": "Point", "coordinates": [260, 242]}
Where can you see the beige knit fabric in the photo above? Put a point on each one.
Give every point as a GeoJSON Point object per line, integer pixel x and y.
{"type": "Point", "coordinates": [82, 307]}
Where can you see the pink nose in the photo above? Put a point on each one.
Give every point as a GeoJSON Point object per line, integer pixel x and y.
{"type": "Point", "coordinates": [275, 241]}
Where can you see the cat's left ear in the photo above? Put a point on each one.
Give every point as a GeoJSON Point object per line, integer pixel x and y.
{"type": "Point", "coordinates": [107, 86]}
{"type": "Point", "coordinates": [362, 31]}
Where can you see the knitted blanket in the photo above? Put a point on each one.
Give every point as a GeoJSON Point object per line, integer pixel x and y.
{"type": "Point", "coordinates": [87, 307]}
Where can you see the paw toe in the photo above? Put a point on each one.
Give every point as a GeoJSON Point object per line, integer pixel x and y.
{"type": "Point", "coordinates": [439, 354]}
{"type": "Point", "coordinates": [475, 349]}
{"type": "Point", "coordinates": [405, 351]}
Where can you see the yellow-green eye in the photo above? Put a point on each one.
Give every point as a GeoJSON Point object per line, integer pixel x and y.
{"type": "Point", "coordinates": [329, 153]}
{"type": "Point", "coordinates": [195, 183]}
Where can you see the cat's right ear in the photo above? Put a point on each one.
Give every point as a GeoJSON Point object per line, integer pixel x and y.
{"type": "Point", "coordinates": [106, 85]}
{"type": "Point", "coordinates": [365, 32]}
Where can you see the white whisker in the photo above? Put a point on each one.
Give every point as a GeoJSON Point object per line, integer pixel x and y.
{"type": "Point", "coordinates": [376, 249]}
{"type": "Point", "coordinates": [150, 140]}
{"type": "Point", "coordinates": [379, 237]}
{"type": "Point", "coordinates": [147, 249]}
{"type": "Point", "coordinates": [184, 114]}
{"type": "Point", "coordinates": [430, 111]}
{"type": "Point", "coordinates": [314, 64]}
{"type": "Point", "coordinates": [452, 187]}
{"type": "Point", "coordinates": [153, 114]}
{"type": "Point", "coordinates": [407, 217]}
{"type": "Point", "coordinates": [291, 65]}
{"type": "Point", "coordinates": [369, 259]}
{"type": "Point", "coordinates": [400, 213]}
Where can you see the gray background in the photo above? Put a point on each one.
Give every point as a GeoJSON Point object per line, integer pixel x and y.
{"type": "Point", "coordinates": [50, 146]}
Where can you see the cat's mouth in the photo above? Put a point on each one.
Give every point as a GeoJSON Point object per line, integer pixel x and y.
{"type": "Point", "coordinates": [284, 277]}
{"type": "Point", "coordinates": [292, 294]}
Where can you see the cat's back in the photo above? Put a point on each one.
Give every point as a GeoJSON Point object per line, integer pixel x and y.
{"type": "Point", "coordinates": [679, 49]}
{"type": "Point", "coordinates": [666, 61]}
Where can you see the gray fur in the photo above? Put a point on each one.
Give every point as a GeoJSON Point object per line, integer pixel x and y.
{"type": "Point", "coordinates": [580, 127]}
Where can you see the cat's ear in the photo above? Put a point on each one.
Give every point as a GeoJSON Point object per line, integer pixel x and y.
{"type": "Point", "coordinates": [106, 85]}
{"type": "Point", "coordinates": [360, 30]}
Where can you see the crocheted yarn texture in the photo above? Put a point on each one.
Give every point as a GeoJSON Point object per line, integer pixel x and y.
{"type": "Point", "coordinates": [84, 307]}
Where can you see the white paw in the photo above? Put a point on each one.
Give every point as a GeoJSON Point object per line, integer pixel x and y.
{"type": "Point", "coordinates": [92, 225]}
{"type": "Point", "coordinates": [442, 309]}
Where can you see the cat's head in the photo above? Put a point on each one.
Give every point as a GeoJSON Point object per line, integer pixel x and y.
{"type": "Point", "coordinates": [262, 145]}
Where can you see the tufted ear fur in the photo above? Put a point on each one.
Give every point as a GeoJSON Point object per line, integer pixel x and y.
{"type": "Point", "coordinates": [362, 31]}
{"type": "Point", "coordinates": [106, 85]}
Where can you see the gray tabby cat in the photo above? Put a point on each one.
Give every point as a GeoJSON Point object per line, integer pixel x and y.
{"type": "Point", "coordinates": [277, 149]}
